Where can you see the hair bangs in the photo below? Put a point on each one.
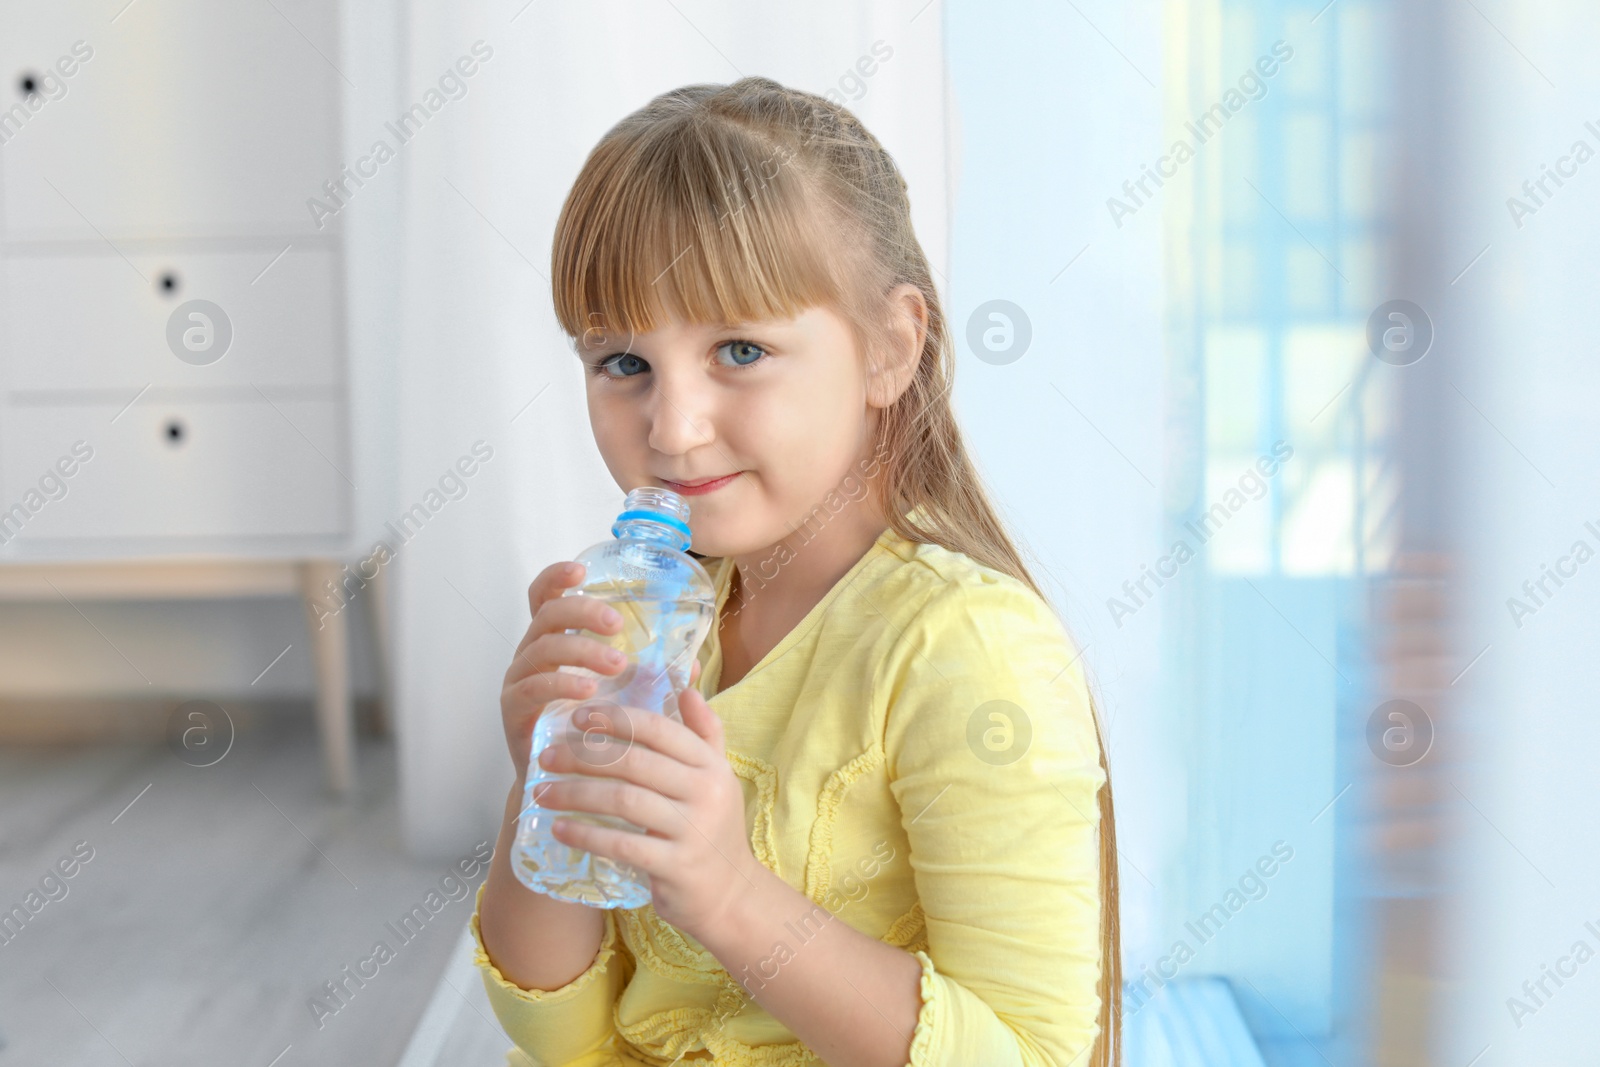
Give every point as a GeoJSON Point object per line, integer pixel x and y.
{"type": "Point", "coordinates": [698, 221]}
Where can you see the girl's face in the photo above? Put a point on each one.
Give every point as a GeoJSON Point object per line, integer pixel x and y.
{"type": "Point", "coordinates": [781, 406]}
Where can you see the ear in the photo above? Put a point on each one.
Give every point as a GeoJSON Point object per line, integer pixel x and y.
{"type": "Point", "coordinates": [891, 373]}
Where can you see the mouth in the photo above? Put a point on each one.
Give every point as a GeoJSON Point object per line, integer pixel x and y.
{"type": "Point", "coordinates": [704, 485]}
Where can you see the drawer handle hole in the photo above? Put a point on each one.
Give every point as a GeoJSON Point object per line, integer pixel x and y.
{"type": "Point", "coordinates": [176, 432]}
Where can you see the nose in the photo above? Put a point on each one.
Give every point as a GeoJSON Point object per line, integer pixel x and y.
{"type": "Point", "coordinates": [680, 413]}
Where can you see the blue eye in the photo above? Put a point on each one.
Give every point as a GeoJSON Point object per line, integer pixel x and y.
{"type": "Point", "coordinates": [745, 353]}
{"type": "Point", "coordinates": [620, 360]}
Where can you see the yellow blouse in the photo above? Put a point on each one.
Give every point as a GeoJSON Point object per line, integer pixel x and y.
{"type": "Point", "coordinates": [919, 757]}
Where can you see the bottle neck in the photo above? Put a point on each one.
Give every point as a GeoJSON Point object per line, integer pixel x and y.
{"type": "Point", "coordinates": [654, 532]}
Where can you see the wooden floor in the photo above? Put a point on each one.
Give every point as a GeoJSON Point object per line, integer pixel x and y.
{"type": "Point", "coordinates": [217, 903]}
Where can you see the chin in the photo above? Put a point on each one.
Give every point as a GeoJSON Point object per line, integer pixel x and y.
{"type": "Point", "coordinates": [713, 543]}
{"type": "Point", "coordinates": [718, 538]}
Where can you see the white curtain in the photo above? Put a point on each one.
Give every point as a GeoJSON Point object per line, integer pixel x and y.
{"type": "Point", "coordinates": [465, 348]}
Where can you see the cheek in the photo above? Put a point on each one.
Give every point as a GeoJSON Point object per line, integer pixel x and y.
{"type": "Point", "coordinates": [615, 433]}
{"type": "Point", "coordinates": [809, 439]}
{"type": "Point", "coordinates": [772, 423]}
{"type": "Point", "coordinates": [787, 436]}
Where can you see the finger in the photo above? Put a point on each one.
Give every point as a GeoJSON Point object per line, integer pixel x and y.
{"type": "Point", "coordinates": [579, 611]}
{"type": "Point", "coordinates": [549, 584]}
{"type": "Point", "coordinates": [574, 650]}
{"type": "Point", "coordinates": [649, 854]}
{"type": "Point", "coordinates": [551, 651]}
{"type": "Point", "coordinates": [528, 701]}
{"type": "Point", "coordinates": [698, 717]}
{"type": "Point", "coordinates": [555, 651]}
{"type": "Point", "coordinates": [669, 737]}
{"type": "Point", "coordinates": [522, 662]}
{"type": "Point", "coordinates": [694, 673]}
{"type": "Point", "coordinates": [571, 615]}
{"type": "Point", "coordinates": [644, 808]}
{"type": "Point", "coordinates": [538, 689]}
{"type": "Point", "coordinates": [584, 748]}
{"type": "Point", "coordinates": [552, 582]}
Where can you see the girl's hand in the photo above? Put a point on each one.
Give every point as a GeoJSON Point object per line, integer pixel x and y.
{"type": "Point", "coordinates": [674, 780]}
{"type": "Point", "coordinates": [533, 680]}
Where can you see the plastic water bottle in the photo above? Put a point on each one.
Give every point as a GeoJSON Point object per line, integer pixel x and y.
{"type": "Point", "coordinates": [667, 602]}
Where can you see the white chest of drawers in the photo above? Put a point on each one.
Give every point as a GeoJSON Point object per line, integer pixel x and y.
{"type": "Point", "coordinates": [152, 158]}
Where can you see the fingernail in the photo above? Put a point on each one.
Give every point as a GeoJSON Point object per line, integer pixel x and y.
{"type": "Point", "coordinates": [610, 617]}
{"type": "Point", "coordinates": [614, 656]}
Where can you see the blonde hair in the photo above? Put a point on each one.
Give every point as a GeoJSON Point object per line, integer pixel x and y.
{"type": "Point", "coordinates": [736, 203]}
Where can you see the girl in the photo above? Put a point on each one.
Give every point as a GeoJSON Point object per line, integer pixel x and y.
{"type": "Point", "coordinates": [872, 840]}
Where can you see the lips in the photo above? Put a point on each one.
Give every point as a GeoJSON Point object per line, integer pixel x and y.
{"type": "Point", "coordinates": [704, 485]}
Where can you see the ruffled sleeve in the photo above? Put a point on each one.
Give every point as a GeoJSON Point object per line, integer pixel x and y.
{"type": "Point", "coordinates": [993, 759]}
{"type": "Point", "coordinates": [572, 1026]}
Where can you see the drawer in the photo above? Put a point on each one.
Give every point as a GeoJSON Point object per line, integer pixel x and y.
{"type": "Point", "coordinates": [178, 470]}
{"type": "Point", "coordinates": [91, 322]}
{"type": "Point", "coordinates": [184, 118]}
